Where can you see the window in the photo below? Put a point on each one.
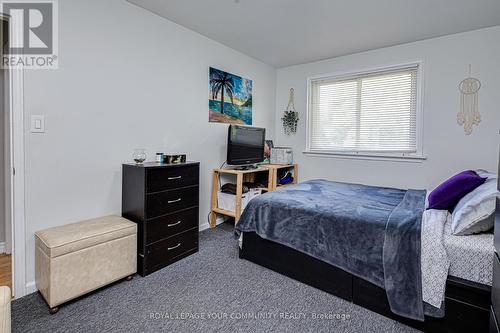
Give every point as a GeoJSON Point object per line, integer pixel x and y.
{"type": "Point", "coordinates": [366, 114]}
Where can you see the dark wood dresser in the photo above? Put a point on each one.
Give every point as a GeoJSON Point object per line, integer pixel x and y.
{"type": "Point", "coordinates": [163, 200]}
{"type": "Point", "coordinates": [495, 290]}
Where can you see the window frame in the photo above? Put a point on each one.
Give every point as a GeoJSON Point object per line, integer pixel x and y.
{"type": "Point", "coordinates": [414, 156]}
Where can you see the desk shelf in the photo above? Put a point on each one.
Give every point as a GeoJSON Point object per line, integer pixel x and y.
{"type": "Point", "coordinates": [241, 177]}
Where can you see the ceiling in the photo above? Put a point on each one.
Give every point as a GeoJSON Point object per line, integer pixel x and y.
{"type": "Point", "coordinates": [288, 32]}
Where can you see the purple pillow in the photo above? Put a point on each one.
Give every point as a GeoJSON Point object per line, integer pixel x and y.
{"type": "Point", "coordinates": [447, 194]}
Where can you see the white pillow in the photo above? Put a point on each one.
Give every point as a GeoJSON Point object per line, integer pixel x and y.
{"type": "Point", "coordinates": [474, 213]}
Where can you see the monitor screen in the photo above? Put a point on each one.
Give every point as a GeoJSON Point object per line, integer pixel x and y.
{"type": "Point", "coordinates": [245, 145]}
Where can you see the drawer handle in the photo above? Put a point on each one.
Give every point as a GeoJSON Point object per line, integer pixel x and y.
{"type": "Point", "coordinates": [174, 201]}
{"type": "Point", "coordinates": [174, 224]}
{"type": "Point", "coordinates": [173, 178]}
{"type": "Point", "coordinates": [171, 248]}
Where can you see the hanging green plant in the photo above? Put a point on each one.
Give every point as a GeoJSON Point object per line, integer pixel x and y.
{"type": "Point", "coordinates": [290, 117]}
{"type": "Point", "coordinates": [290, 120]}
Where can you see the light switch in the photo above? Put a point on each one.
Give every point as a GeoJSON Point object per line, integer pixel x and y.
{"type": "Point", "coordinates": [37, 124]}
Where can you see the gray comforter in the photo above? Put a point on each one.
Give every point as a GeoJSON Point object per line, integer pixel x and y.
{"type": "Point", "coordinates": [371, 232]}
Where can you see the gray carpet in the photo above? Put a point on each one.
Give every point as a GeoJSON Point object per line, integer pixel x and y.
{"type": "Point", "coordinates": [211, 291]}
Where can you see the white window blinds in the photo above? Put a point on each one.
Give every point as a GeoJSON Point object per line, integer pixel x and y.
{"type": "Point", "coordinates": [371, 113]}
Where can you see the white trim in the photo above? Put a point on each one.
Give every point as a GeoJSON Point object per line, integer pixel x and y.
{"type": "Point", "coordinates": [206, 226]}
{"type": "Point", "coordinates": [17, 151]}
{"type": "Point", "coordinates": [363, 71]}
{"type": "Point", "coordinates": [371, 156]}
{"type": "Point", "coordinates": [2, 247]}
{"type": "Point", "coordinates": [6, 141]}
{"type": "Point", "coordinates": [18, 221]}
{"type": "Point", "coordinates": [31, 287]}
{"type": "Point", "coordinates": [417, 156]}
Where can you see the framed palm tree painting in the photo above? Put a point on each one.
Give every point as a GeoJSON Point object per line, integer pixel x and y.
{"type": "Point", "coordinates": [229, 98]}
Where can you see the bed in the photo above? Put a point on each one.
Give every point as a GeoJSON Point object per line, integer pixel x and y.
{"type": "Point", "coordinates": [363, 250]}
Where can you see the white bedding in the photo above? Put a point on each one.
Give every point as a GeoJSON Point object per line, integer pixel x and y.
{"type": "Point", "coordinates": [434, 257]}
{"type": "Point", "coordinates": [471, 257]}
{"type": "Point", "coordinates": [442, 254]}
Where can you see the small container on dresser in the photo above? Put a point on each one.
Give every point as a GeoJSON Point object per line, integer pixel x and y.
{"type": "Point", "coordinates": [163, 200]}
{"type": "Point", "coordinates": [495, 289]}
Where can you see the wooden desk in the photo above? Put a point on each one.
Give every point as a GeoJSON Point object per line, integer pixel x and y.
{"type": "Point", "coordinates": [245, 176]}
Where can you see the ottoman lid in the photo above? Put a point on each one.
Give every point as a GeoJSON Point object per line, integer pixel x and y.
{"type": "Point", "coordinates": [80, 235]}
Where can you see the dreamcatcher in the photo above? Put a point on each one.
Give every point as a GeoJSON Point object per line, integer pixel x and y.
{"type": "Point", "coordinates": [469, 112]}
{"type": "Point", "coordinates": [290, 116]}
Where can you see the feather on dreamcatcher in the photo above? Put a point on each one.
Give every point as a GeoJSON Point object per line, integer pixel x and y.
{"type": "Point", "coordinates": [469, 111]}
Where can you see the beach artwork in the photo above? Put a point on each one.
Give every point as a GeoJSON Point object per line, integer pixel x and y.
{"type": "Point", "coordinates": [229, 98]}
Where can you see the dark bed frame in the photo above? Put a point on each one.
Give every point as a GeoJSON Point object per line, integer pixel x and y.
{"type": "Point", "coordinates": [467, 303]}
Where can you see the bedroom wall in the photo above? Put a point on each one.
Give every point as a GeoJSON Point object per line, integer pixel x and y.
{"type": "Point", "coordinates": [448, 149]}
{"type": "Point", "coordinates": [126, 79]}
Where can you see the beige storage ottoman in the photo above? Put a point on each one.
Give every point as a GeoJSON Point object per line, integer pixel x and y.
{"type": "Point", "coordinates": [74, 259]}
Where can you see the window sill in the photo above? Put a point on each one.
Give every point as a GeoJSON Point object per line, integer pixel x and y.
{"type": "Point", "coordinates": [368, 156]}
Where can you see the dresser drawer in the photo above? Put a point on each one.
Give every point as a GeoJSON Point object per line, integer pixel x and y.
{"type": "Point", "coordinates": [168, 250]}
{"type": "Point", "coordinates": [161, 179]}
{"type": "Point", "coordinates": [166, 202]}
{"type": "Point", "coordinates": [495, 289]}
{"type": "Point", "coordinates": [170, 225]}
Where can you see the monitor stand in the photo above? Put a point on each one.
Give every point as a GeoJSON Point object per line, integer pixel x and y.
{"type": "Point", "coordinates": [247, 167]}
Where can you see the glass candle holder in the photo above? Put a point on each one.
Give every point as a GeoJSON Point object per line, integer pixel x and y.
{"type": "Point", "coordinates": [139, 156]}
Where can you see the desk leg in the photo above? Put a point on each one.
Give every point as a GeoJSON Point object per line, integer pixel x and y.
{"type": "Point", "coordinates": [270, 180]}
{"type": "Point", "coordinates": [215, 188]}
{"type": "Point", "coordinates": [295, 174]}
{"type": "Point", "coordinates": [239, 193]}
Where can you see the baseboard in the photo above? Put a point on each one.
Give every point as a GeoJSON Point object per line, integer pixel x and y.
{"type": "Point", "coordinates": [31, 287]}
{"type": "Point", "coordinates": [2, 247]}
{"type": "Point", "coordinates": [206, 225]}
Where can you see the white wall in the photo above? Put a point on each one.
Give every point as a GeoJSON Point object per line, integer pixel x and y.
{"type": "Point", "coordinates": [127, 78]}
{"type": "Point", "coordinates": [446, 62]}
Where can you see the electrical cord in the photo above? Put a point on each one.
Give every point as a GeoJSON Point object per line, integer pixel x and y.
{"type": "Point", "coordinates": [221, 166]}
